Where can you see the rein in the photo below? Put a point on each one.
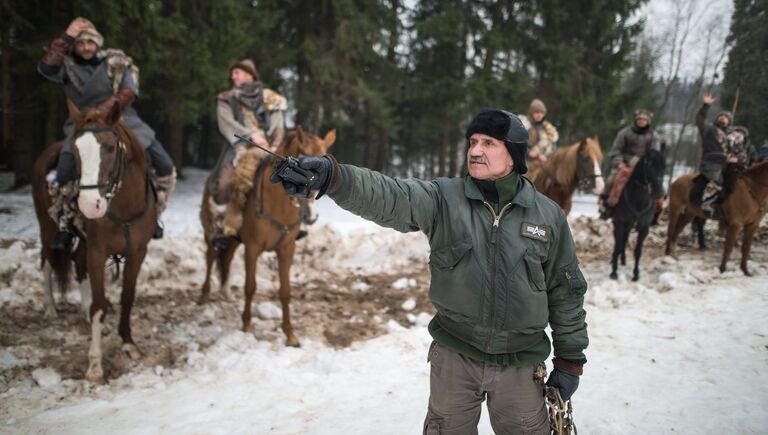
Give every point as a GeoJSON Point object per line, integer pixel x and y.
{"type": "Point", "coordinates": [637, 213]}
{"type": "Point", "coordinates": [115, 175]}
{"type": "Point", "coordinates": [261, 211]}
{"type": "Point", "coordinates": [114, 181]}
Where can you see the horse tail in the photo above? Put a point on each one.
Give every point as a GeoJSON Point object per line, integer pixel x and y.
{"type": "Point", "coordinates": [60, 263]}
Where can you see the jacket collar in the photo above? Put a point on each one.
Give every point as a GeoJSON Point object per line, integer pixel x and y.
{"type": "Point", "coordinates": [525, 196]}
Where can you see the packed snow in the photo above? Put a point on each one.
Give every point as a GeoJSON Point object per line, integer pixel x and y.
{"type": "Point", "coordinates": [683, 349]}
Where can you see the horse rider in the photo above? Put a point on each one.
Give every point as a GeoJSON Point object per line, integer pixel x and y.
{"type": "Point", "coordinates": [740, 147]}
{"type": "Point", "coordinates": [503, 265]}
{"type": "Point", "coordinates": [97, 78]}
{"type": "Point", "coordinates": [716, 154]}
{"type": "Point", "coordinates": [630, 145]}
{"type": "Point", "coordinates": [250, 110]}
{"type": "Point", "coordinates": [542, 135]}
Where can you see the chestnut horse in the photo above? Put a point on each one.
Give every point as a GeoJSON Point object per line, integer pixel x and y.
{"type": "Point", "coordinates": [568, 167]}
{"type": "Point", "coordinates": [120, 213]}
{"type": "Point", "coordinates": [270, 223]}
{"type": "Point", "coordinates": [743, 209]}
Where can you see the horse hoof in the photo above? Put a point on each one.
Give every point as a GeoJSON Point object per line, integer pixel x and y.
{"type": "Point", "coordinates": [95, 378]}
{"type": "Point", "coordinates": [722, 269]}
{"type": "Point", "coordinates": [203, 300]}
{"type": "Point", "coordinates": [636, 278]}
{"type": "Point", "coordinates": [51, 313]}
{"type": "Point", "coordinates": [614, 276]}
{"type": "Point", "coordinates": [746, 272]}
{"type": "Point", "coordinates": [132, 351]}
{"type": "Point", "coordinates": [248, 328]}
{"type": "Point", "coordinates": [293, 342]}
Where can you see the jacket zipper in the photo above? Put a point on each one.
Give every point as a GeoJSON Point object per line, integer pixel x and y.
{"type": "Point", "coordinates": [494, 238]}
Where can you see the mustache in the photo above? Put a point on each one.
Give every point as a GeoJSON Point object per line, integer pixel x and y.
{"type": "Point", "coordinates": [477, 159]}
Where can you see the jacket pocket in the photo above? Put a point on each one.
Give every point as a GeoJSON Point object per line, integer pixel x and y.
{"type": "Point", "coordinates": [576, 281]}
{"type": "Point", "coordinates": [535, 273]}
{"type": "Point", "coordinates": [457, 281]}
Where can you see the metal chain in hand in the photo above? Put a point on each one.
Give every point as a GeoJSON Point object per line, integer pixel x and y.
{"type": "Point", "coordinates": [560, 412]}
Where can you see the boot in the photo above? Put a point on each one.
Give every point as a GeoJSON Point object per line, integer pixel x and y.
{"type": "Point", "coordinates": [301, 234]}
{"type": "Point", "coordinates": [602, 208]}
{"type": "Point", "coordinates": [697, 191]}
{"type": "Point", "coordinates": [164, 187]}
{"type": "Point", "coordinates": [62, 240]}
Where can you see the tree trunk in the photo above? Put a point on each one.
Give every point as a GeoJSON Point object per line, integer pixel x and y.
{"type": "Point", "coordinates": [5, 65]}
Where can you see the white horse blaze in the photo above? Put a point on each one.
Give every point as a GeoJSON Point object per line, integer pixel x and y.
{"type": "Point", "coordinates": [599, 183]}
{"type": "Point", "coordinates": [90, 202]}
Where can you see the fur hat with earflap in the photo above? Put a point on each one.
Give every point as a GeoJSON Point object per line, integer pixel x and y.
{"type": "Point", "coordinates": [506, 127]}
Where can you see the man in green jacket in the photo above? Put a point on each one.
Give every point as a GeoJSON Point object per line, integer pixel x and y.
{"type": "Point", "coordinates": [503, 266]}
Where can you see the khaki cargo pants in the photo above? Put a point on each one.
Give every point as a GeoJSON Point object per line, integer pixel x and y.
{"type": "Point", "coordinates": [459, 385]}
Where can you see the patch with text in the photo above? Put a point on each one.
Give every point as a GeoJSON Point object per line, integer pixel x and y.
{"type": "Point", "coordinates": [534, 231]}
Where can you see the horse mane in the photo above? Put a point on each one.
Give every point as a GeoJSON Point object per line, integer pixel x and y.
{"type": "Point", "coordinates": [756, 168]}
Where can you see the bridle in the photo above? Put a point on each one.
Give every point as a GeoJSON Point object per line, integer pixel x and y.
{"type": "Point", "coordinates": [115, 176]}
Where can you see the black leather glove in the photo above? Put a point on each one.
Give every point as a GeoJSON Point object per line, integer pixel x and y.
{"type": "Point", "coordinates": [301, 177]}
{"type": "Point", "coordinates": [566, 382]}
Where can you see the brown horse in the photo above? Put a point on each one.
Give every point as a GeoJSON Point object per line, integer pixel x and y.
{"type": "Point", "coordinates": [119, 207]}
{"type": "Point", "coordinates": [270, 223]}
{"type": "Point", "coordinates": [568, 167]}
{"type": "Point", "coordinates": [743, 209]}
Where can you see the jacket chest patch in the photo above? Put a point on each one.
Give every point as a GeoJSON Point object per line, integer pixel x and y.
{"type": "Point", "coordinates": [534, 231]}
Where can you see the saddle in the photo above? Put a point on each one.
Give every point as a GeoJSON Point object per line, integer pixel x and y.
{"type": "Point", "coordinates": [246, 164]}
{"type": "Point", "coordinates": [621, 180]}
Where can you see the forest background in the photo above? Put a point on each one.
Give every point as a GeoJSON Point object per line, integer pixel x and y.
{"type": "Point", "coordinates": [398, 79]}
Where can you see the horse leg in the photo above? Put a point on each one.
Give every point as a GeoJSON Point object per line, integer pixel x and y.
{"type": "Point", "coordinates": [96, 262]}
{"type": "Point", "coordinates": [674, 216]}
{"type": "Point", "coordinates": [81, 274]}
{"type": "Point", "coordinates": [210, 258]}
{"type": "Point", "coordinates": [730, 240]}
{"type": "Point", "coordinates": [642, 233]}
{"type": "Point", "coordinates": [698, 227]}
{"type": "Point", "coordinates": [225, 266]}
{"type": "Point", "coordinates": [624, 258]}
{"type": "Point", "coordinates": [746, 246]}
{"type": "Point", "coordinates": [284, 261]}
{"type": "Point", "coordinates": [48, 302]}
{"type": "Point", "coordinates": [252, 253]}
{"type": "Point", "coordinates": [620, 236]}
{"type": "Point", "coordinates": [130, 273]}
{"type": "Point", "coordinates": [684, 219]}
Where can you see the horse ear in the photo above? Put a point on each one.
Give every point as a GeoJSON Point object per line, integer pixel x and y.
{"type": "Point", "coordinates": [113, 116]}
{"type": "Point", "coordinates": [582, 144]}
{"type": "Point", "coordinates": [74, 113]}
{"type": "Point", "coordinates": [329, 139]}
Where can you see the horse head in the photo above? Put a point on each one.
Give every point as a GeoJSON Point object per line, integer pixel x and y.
{"type": "Point", "coordinates": [650, 171]}
{"type": "Point", "coordinates": [590, 158]}
{"type": "Point", "coordinates": [100, 157]}
{"type": "Point", "coordinates": [302, 143]}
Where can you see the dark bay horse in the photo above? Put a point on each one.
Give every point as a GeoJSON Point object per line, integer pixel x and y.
{"type": "Point", "coordinates": [566, 169]}
{"type": "Point", "coordinates": [743, 209]}
{"type": "Point", "coordinates": [119, 207]}
{"type": "Point", "coordinates": [270, 223]}
{"type": "Point", "coordinates": [635, 208]}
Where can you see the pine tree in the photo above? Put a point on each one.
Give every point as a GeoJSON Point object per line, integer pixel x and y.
{"type": "Point", "coordinates": [746, 70]}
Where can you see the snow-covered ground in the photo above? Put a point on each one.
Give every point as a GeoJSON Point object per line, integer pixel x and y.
{"type": "Point", "coordinates": [684, 349]}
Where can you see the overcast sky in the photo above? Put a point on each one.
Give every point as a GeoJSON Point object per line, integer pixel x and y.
{"type": "Point", "coordinates": [714, 14]}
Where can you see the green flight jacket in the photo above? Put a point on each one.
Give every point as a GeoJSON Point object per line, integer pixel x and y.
{"type": "Point", "coordinates": [497, 279]}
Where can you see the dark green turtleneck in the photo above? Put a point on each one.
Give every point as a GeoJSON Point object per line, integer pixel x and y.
{"type": "Point", "coordinates": [498, 193]}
